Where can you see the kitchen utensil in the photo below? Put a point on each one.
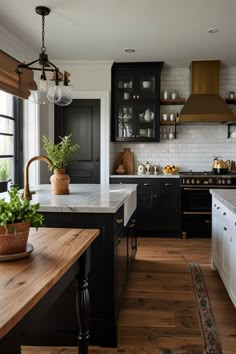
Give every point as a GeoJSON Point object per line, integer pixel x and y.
{"type": "Point", "coordinates": [165, 95]}
{"type": "Point", "coordinates": [143, 132]}
{"type": "Point", "coordinates": [174, 94]}
{"type": "Point", "coordinates": [165, 116]}
{"type": "Point", "coordinates": [148, 168]}
{"type": "Point", "coordinates": [126, 95]}
{"type": "Point", "coordinates": [146, 84]}
{"type": "Point", "coordinates": [140, 169]}
{"type": "Point", "coordinates": [148, 115]}
{"type": "Point", "coordinates": [219, 166]}
{"type": "Point", "coordinates": [155, 169]}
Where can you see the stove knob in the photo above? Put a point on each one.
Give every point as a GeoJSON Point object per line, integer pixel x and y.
{"type": "Point", "coordinates": [210, 180]}
{"type": "Point", "coordinates": [223, 181]}
{"type": "Point", "coordinates": [193, 181]}
{"type": "Point", "coordinates": [187, 181]}
{"type": "Point", "coordinates": [198, 181]}
{"type": "Point", "coordinates": [229, 181]}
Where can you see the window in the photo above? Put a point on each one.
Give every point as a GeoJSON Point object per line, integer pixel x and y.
{"type": "Point", "coordinates": [10, 138]}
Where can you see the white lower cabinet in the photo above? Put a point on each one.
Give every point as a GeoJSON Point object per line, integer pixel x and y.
{"type": "Point", "coordinates": [224, 245]}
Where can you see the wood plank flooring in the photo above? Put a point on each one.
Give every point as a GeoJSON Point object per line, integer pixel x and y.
{"type": "Point", "coordinates": [159, 308]}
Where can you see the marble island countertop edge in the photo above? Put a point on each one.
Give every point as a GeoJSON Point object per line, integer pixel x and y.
{"type": "Point", "coordinates": [83, 198]}
{"type": "Point", "coordinates": [226, 196]}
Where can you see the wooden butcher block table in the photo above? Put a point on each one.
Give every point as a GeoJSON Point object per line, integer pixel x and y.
{"type": "Point", "coordinates": [31, 284]}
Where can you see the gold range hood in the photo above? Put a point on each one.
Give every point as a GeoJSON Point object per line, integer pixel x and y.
{"type": "Point", "coordinates": [205, 104]}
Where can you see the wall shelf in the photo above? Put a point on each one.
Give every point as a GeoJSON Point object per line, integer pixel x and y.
{"type": "Point", "coordinates": [177, 101]}
{"type": "Point", "coordinates": [230, 100]}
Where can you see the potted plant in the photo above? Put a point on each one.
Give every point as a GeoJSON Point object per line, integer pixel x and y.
{"type": "Point", "coordinates": [4, 176]}
{"type": "Point", "coordinates": [60, 155]}
{"type": "Point", "coordinates": [16, 217]}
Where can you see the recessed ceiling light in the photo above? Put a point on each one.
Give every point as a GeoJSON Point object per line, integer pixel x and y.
{"type": "Point", "coordinates": [213, 30]}
{"type": "Point", "coordinates": [129, 50]}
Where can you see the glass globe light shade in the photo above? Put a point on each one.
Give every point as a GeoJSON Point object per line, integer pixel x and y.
{"type": "Point", "coordinates": [66, 95]}
{"type": "Point", "coordinates": [39, 96]}
{"type": "Point", "coordinates": [54, 93]}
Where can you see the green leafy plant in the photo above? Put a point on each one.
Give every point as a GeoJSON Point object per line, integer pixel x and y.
{"type": "Point", "coordinates": [60, 154]}
{"type": "Point", "coordinates": [17, 210]}
{"type": "Point", "coordinates": [4, 171]}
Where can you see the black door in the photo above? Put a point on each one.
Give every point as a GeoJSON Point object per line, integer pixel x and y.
{"type": "Point", "coordinates": [81, 119]}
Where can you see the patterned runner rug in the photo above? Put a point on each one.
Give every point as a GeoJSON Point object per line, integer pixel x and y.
{"type": "Point", "coordinates": [210, 335]}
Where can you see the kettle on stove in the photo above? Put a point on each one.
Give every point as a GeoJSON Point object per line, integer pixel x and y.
{"type": "Point", "coordinates": [219, 166]}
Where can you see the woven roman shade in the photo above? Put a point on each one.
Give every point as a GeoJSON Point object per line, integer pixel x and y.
{"type": "Point", "coordinates": [10, 81]}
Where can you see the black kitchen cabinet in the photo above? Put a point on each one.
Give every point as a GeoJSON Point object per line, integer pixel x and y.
{"type": "Point", "coordinates": [136, 102]}
{"type": "Point", "coordinates": [158, 210]}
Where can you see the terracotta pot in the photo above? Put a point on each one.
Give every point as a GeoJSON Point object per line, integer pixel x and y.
{"type": "Point", "coordinates": [14, 239]}
{"type": "Point", "coordinates": [60, 182]}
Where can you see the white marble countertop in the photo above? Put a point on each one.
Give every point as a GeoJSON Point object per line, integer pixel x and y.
{"type": "Point", "coordinates": [86, 198]}
{"type": "Point", "coordinates": [159, 175]}
{"type": "Point", "coordinates": [226, 197]}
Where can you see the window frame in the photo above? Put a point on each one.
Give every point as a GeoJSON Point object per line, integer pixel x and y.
{"type": "Point", "coordinates": [17, 156]}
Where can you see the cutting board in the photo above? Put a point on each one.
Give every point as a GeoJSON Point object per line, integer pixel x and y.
{"type": "Point", "coordinates": [126, 159]}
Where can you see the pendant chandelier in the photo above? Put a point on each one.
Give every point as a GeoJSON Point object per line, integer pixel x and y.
{"type": "Point", "coordinates": [56, 89]}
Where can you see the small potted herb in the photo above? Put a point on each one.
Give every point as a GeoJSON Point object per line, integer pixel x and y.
{"type": "Point", "coordinates": [4, 176]}
{"type": "Point", "coordinates": [60, 155]}
{"type": "Point", "coordinates": [16, 217]}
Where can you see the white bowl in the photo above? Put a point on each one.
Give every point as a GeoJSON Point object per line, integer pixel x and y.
{"type": "Point", "coordinates": [146, 84]}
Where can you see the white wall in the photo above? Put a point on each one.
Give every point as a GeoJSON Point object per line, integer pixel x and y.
{"type": "Point", "coordinates": [196, 143]}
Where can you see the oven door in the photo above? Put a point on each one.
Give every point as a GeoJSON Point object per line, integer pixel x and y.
{"type": "Point", "coordinates": [196, 200]}
{"type": "Point", "coordinates": [196, 212]}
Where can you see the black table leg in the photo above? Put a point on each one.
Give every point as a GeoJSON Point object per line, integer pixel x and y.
{"type": "Point", "coordinates": [83, 302]}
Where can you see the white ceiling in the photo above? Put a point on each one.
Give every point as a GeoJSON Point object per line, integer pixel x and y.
{"type": "Point", "coordinates": [174, 31]}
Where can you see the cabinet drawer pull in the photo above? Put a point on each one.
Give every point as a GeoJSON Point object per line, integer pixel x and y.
{"type": "Point", "coordinates": [168, 184]}
{"type": "Point", "coordinates": [131, 225]}
{"type": "Point", "coordinates": [218, 208]}
{"type": "Point", "coordinates": [137, 97]}
{"type": "Point", "coordinates": [147, 184]}
{"type": "Point", "coordinates": [225, 228]}
{"type": "Point", "coordinates": [134, 97]}
{"type": "Point", "coordinates": [119, 221]}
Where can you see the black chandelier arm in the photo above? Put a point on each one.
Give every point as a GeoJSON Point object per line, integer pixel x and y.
{"type": "Point", "coordinates": [25, 66]}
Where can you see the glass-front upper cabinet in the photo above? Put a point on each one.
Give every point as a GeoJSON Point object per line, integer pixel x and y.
{"type": "Point", "coordinates": [136, 101]}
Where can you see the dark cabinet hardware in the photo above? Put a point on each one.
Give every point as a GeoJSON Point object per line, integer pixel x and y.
{"type": "Point", "coordinates": [225, 228]}
{"type": "Point", "coordinates": [119, 221]}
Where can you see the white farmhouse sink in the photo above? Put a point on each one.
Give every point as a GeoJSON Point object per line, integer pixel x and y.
{"type": "Point", "coordinates": [130, 205]}
{"type": "Point", "coordinates": [130, 202]}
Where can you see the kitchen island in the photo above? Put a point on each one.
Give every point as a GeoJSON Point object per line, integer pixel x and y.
{"type": "Point", "coordinates": [108, 208]}
{"type": "Point", "coordinates": [29, 286]}
{"type": "Point", "coordinates": [224, 237]}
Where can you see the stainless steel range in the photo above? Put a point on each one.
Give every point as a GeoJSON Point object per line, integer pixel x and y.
{"type": "Point", "coordinates": [196, 200]}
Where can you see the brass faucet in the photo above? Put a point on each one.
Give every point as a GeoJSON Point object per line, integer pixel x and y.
{"type": "Point", "coordinates": [27, 194]}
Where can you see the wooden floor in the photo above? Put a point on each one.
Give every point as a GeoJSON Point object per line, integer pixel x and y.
{"type": "Point", "coordinates": [159, 309]}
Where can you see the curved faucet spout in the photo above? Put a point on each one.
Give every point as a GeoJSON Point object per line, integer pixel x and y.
{"type": "Point", "coordinates": [27, 194]}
